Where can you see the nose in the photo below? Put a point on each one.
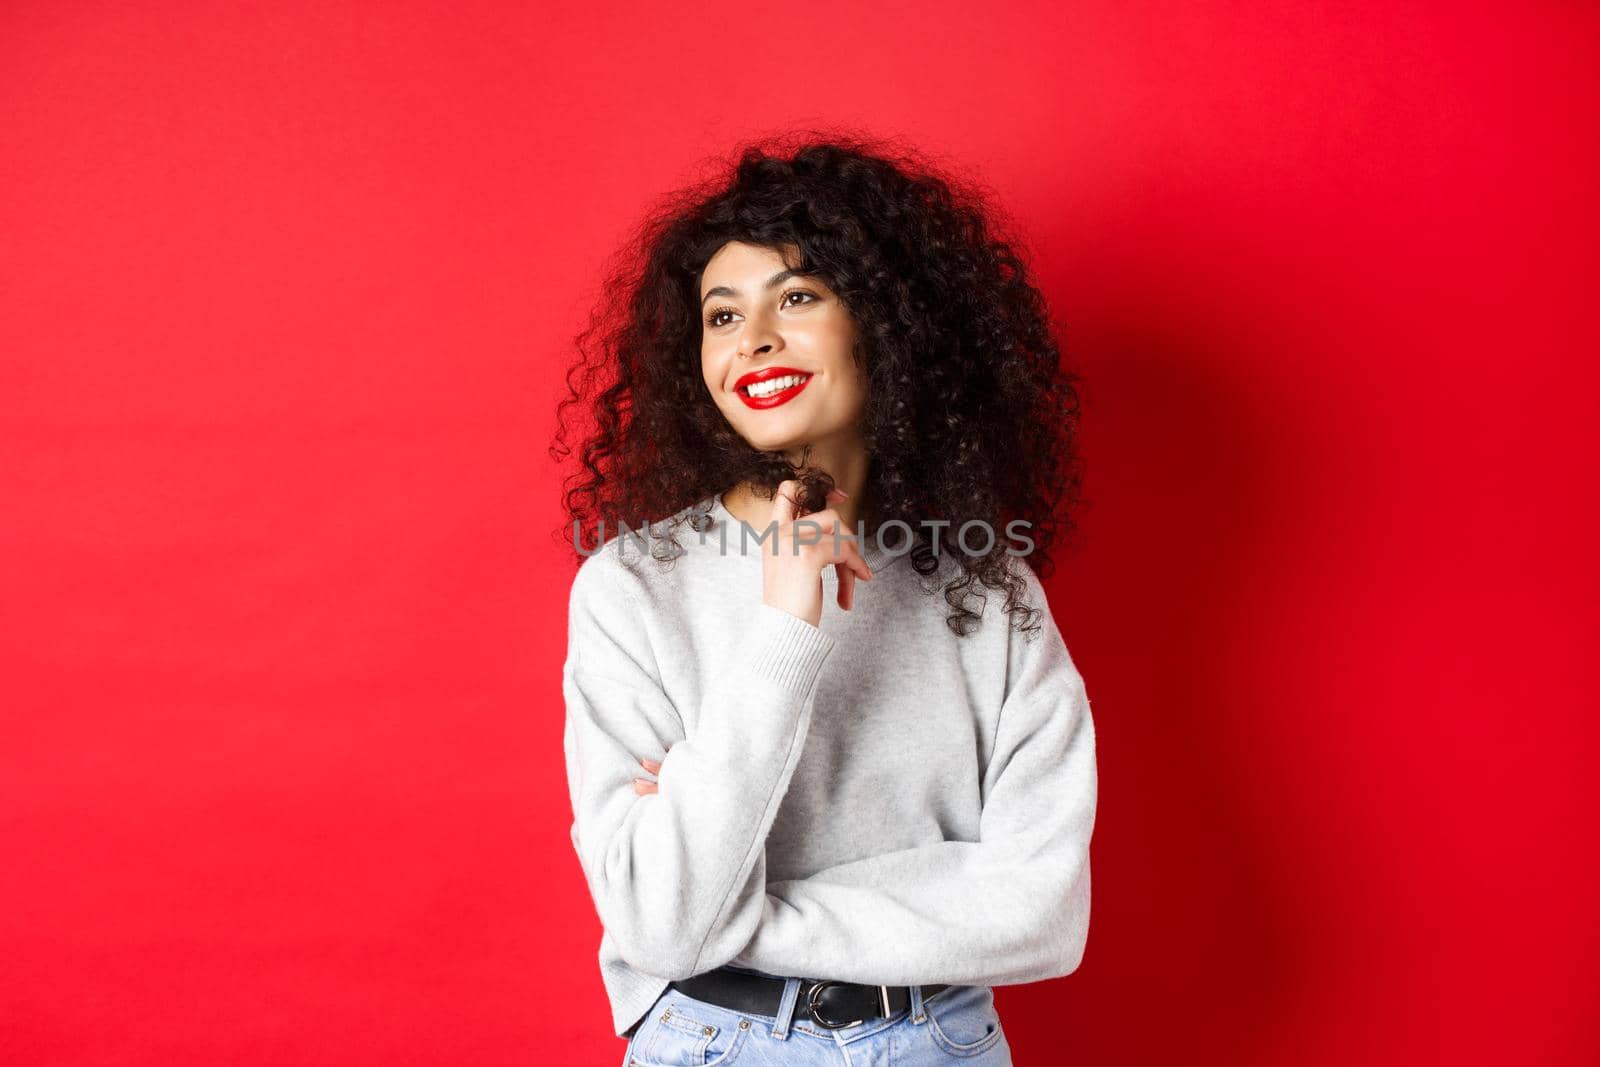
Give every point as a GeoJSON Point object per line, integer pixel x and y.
{"type": "Point", "coordinates": [757, 337]}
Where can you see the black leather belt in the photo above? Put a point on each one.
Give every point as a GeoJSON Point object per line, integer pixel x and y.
{"type": "Point", "coordinates": [833, 1005]}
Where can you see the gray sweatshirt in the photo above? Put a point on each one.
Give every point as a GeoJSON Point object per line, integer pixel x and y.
{"type": "Point", "coordinates": [873, 800]}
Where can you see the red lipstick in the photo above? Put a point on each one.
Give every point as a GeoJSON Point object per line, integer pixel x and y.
{"type": "Point", "coordinates": [766, 374]}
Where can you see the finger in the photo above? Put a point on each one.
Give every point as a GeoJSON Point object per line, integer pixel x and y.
{"type": "Point", "coordinates": [847, 545]}
{"type": "Point", "coordinates": [784, 502]}
{"type": "Point", "coordinates": [823, 533]}
{"type": "Point", "coordinates": [847, 585]}
{"type": "Point", "coordinates": [644, 786]}
{"type": "Point", "coordinates": [854, 560]}
{"type": "Point", "coordinates": [653, 766]}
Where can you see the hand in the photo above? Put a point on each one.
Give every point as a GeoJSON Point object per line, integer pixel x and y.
{"type": "Point", "coordinates": [792, 579]}
{"type": "Point", "coordinates": [643, 786]}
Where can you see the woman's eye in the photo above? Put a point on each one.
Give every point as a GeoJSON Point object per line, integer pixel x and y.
{"type": "Point", "coordinates": [715, 318]}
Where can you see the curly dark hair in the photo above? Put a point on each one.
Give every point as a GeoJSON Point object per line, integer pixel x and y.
{"type": "Point", "coordinates": [969, 414]}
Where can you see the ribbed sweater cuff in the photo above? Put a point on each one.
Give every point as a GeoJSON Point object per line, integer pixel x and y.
{"type": "Point", "coordinates": [786, 649]}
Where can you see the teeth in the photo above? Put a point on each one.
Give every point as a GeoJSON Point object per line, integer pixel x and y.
{"type": "Point", "coordinates": [775, 385]}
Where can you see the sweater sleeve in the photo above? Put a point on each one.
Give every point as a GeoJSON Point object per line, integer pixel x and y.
{"type": "Point", "coordinates": [1009, 908]}
{"type": "Point", "coordinates": [676, 875]}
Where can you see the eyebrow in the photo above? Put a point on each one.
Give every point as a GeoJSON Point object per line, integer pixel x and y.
{"type": "Point", "coordinates": [723, 290]}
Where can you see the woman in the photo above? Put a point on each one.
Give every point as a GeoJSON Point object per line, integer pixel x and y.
{"type": "Point", "coordinates": [806, 830]}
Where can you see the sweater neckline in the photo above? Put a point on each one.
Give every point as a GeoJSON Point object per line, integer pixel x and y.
{"type": "Point", "coordinates": [876, 556]}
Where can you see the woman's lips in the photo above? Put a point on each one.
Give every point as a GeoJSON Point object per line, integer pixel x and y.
{"type": "Point", "coordinates": [781, 397]}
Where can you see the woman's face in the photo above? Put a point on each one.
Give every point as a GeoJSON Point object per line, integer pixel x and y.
{"type": "Point", "coordinates": [791, 339]}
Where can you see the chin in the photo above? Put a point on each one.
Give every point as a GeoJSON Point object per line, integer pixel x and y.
{"type": "Point", "coordinates": [769, 438]}
{"type": "Point", "coordinates": [778, 444]}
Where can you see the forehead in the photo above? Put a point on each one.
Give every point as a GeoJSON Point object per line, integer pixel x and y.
{"type": "Point", "coordinates": [739, 258]}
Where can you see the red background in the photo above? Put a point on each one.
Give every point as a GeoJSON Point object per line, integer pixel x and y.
{"type": "Point", "coordinates": [286, 297]}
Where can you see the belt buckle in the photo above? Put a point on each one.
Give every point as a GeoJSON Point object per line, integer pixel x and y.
{"type": "Point", "coordinates": [812, 1005]}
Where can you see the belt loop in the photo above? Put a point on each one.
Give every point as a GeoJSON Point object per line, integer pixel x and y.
{"type": "Point", "coordinates": [918, 1014]}
{"type": "Point", "coordinates": [791, 996]}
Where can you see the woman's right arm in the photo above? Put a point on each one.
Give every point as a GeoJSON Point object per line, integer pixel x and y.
{"type": "Point", "coordinates": [678, 876]}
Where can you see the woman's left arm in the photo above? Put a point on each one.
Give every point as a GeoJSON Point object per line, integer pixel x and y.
{"type": "Point", "coordinates": [1011, 907]}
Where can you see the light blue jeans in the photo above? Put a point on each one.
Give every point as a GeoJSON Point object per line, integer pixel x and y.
{"type": "Point", "coordinates": [956, 1025]}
